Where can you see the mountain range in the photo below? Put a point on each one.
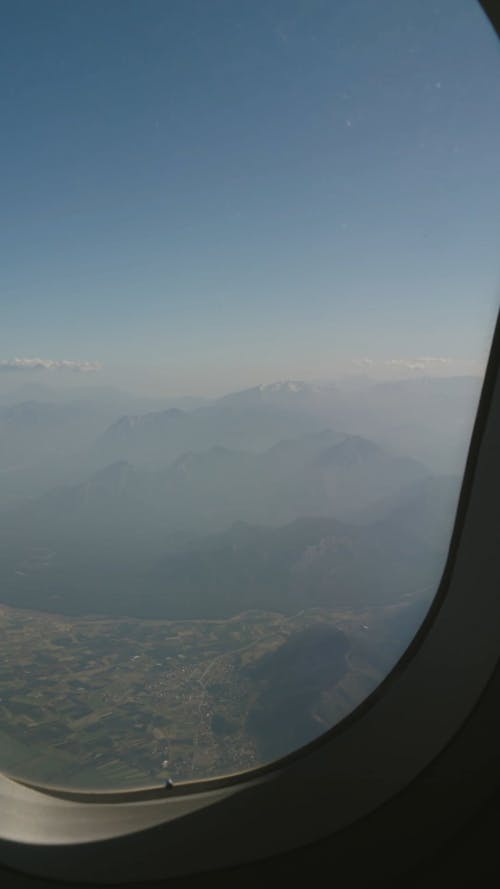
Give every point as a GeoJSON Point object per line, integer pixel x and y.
{"type": "Point", "coordinates": [308, 562]}
{"type": "Point", "coordinates": [279, 497]}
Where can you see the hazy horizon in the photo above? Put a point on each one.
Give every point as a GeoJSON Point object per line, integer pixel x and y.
{"type": "Point", "coordinates": [360, 372]}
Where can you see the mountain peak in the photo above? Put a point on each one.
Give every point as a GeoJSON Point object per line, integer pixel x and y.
{"type": "Point", "coordinates": [352, 450]}
{"type": "Point", "coordinates": [286, 390]}
{"type": "Point", "coordinates": [284, 386]}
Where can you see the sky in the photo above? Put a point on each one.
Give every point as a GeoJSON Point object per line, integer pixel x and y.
{"type": "Point", "coordinates": [200, 195]}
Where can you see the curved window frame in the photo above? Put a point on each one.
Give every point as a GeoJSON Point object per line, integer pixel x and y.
{"type": "Point", "coordinates": [360, 765]}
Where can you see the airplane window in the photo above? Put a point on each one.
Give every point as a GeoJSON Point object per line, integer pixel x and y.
{"type": "Point", "coordinates": [250, 275]}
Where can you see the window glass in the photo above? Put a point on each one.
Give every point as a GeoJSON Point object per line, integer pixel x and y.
{"type": "Point", "coordinates": [249, 270]}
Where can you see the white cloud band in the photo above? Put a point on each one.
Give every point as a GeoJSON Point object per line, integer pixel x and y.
{"type": "Point", "coordinates": [417, 363]}
{"type": "Point", "coordinates": [34, 364]}
{"type": "Point", "coordinates": [407, 363]}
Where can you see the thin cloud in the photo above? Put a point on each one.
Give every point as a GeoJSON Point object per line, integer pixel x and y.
{"type": "Point", "coordinates": [425, 362]}
{"type": "Point", "coordinates": [405, 363]}
{"type": "Point", "coordinates": [363, 362]}
{"type": "Point", "coordinates": [38, 364]}
{"type": "Point", "coordinates": [435, 360]}
{"type": "Point", "coordinates": [417, 363]}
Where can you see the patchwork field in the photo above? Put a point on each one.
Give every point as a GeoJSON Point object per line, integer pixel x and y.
{"type": "Point", "coordinates": [123, 703]}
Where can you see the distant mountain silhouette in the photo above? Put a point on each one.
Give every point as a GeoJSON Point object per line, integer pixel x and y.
{"type": "Point", "coordinates": [155, 439]}
{"type": "Point", "coordinates": [106, 538]}
{"type": "Point", "coordinates": [311, 561]}
{"type": "Point", "coordinates": [212, 489]}
{"type": "Point", "coordinates": [427, 419]}
{"type": "Point", "coordinates": [257, 500]}
{"type": "Point", "coordinates": [353, 450]}
{"type": "Point", "coordinates": [357, 473]}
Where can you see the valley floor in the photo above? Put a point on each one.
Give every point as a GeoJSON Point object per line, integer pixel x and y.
{"type": "Point", "coordinates": [106, 703]}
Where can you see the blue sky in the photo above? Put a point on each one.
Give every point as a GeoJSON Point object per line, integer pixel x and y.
{"type": "Point", "coordinates": [206, 195]}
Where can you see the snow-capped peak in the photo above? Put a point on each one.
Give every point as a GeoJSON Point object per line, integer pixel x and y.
{"type": "Point", "coordinates": [284, 386]}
